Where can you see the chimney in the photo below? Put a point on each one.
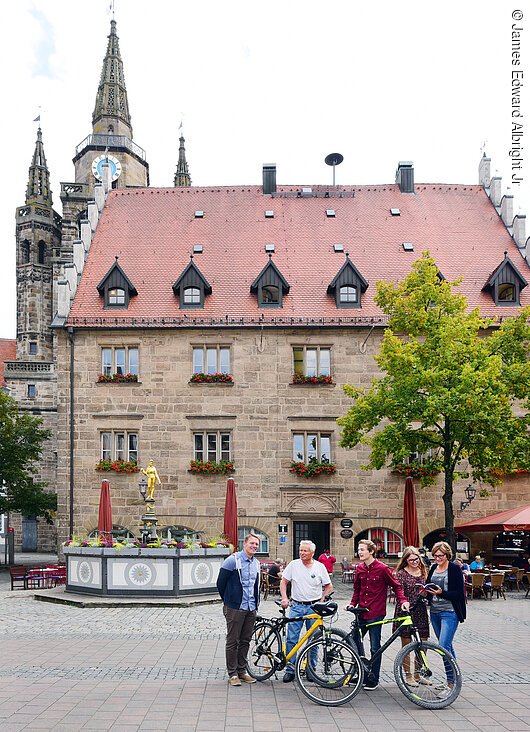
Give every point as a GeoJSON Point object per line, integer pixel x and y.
{"type": "Point", "coordinates": [405, 176]}
{"type": "Point", "coordinates": [269, 178]}
{"type": "Point", "coordinates": [519, 230]}
{"type": "Point", "coordinates": [495, 191]}
{"type": "Point", "coordinates": [484, 171]}
{"type": "Point", "coordinates": [507, 209]}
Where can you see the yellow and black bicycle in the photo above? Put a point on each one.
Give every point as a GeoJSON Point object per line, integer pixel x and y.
{"type": "Point", "coordinates": [328, 669]}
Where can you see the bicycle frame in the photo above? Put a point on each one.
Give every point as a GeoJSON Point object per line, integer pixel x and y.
{"type": "Point", "coordinates": [404, 621]}
{"type": "Point", "coordinates": [281, 624]}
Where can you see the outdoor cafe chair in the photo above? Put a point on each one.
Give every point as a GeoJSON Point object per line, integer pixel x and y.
{"type": "Point", "coordinates": [495, 583]}
{"type": "Point", "coordinates": [527, 575]}
{"type": "Point", "coordinates": [476, 585]}
{"type": "Point", "coordinates": [515, 578]}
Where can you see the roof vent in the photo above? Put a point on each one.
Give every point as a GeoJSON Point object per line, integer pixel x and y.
{"type": "Point", "coordinates": [408, 246]}
{"type": "Point", "coordinates": [395, 212]}
{"type": "Point", "coordinates": [405, 176]}
{"type": "Point", "coordinates": [199, 214]}
{"type": "Point", "coordinates": [338, 247]}
{"type": "Point", "coordinates": [269, 214]}
{"type": "Point", "coordinates": [269, 247]}
{"type": "Point", "coordinates": [198, 248]}
{"type": "Point", "coordinates": [330, 213]}
{"type": "Point", "coordinates": [307, 191]}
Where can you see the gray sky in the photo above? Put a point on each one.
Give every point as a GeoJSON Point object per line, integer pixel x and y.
{"type": "Point", "coordinates": [283, 81]}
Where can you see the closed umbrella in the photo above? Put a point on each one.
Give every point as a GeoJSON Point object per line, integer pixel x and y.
{"type": "Point", "coordinates": [411, 535]}
{"type": "Point", "coordinates": [105, 512]}
{"type": "Point", "coordinates": [230, 517]}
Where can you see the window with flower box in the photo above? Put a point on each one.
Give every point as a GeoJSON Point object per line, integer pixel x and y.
{"type": "Point", "coordinates": [119, 361]}
{"type": "Point", "coordinates": [311, 447]}
{"type": "Point", "coordinates": [119, 445]}
{"type": "Point", "coordinates": [311, 361]}
{"type": "Point", "coordinates": [388, 543]}
{"type": "Point", "coordinates": [211, 359]}
{"type": "Point", "coordinates": [212, 446]}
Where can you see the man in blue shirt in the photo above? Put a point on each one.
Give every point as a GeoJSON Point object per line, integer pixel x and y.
{"type": "Point", "coordinates": [238, 585]}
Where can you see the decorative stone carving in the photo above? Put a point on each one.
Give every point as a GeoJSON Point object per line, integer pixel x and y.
{"type": "Point", "coordinates": [309, 502]}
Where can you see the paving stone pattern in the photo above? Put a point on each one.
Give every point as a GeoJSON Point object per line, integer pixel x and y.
{"type": "Point", "coordinates": [131, 669]}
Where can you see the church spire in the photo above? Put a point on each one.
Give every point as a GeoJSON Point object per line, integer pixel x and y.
{"type": "Point", "coordinates": [182, 176]}
{"type": "Point", "coordinates": [38, 190]}
{"type": "Point", "coordinates": [111, 112]}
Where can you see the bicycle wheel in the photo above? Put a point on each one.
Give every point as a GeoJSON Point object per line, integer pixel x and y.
{"type": "Point", "coordinates": [265, 647]}
{"type": "Point", "coordinates": [434, 679]}
{"type": "Point", "coordinates": [339, 634]}
{"type": "Point", "coordinates": [329, 672]}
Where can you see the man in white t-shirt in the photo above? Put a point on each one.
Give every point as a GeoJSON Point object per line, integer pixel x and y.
{"type": "Point", "coordinates": [309, 584]}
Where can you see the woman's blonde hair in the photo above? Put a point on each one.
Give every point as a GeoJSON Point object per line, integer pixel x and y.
{"type": "Point", "coordinates": [443, 547]}
{"type": "Point", "coordinates": [404, 557]}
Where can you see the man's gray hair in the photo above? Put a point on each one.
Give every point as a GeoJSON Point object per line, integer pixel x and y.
{"type": "Point", "coordinates": [310, 544]}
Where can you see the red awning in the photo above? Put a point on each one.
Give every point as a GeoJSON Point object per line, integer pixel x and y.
{"type": "Point", "coordinates": [513, 519]}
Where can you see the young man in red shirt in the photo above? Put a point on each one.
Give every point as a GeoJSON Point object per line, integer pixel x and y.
{"type": "Point", "coordinates": [372, 579]}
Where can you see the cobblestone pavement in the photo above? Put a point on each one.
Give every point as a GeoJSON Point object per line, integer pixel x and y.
{"type": "Point", "coordinates": [128, 669]}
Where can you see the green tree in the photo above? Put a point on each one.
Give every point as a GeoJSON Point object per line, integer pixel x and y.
{"type": "Point", "coordinates": [21, 440]}
{"type": "Point", "coordinates": [453, 382]}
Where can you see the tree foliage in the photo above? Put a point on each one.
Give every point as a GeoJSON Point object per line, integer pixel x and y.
{"type": "Point", "coordinates": [21, 440]}
{"type": "Point", "coordinates": [453, 382]}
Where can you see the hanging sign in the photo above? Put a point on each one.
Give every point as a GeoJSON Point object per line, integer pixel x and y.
{"type": "Point", "coordinates": [346, 523]}
{"type": "Point", "coordinates": [346, 533]}
{"type": "Point", "coordinates": [282, 528]}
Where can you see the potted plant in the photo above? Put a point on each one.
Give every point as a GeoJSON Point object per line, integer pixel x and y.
{"type": "Point", "coordinates": [312, 468]}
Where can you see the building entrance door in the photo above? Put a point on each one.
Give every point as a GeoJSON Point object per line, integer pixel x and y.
{"type": "Point", "coordinates": [315, 531]}
{"type": "Point", "coordinates": [29, 534]}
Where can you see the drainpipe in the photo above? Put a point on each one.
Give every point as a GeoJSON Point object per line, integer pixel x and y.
{"type": "Point", "coordinates": [71, 492]}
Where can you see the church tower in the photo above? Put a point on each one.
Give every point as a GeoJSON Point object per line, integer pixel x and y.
{"type": "Point", "coordinates": [112, 134]}
{"type": "Point", "coordinates": [38, 238]}
{"type": "Point", "coordinates": [182, 176]}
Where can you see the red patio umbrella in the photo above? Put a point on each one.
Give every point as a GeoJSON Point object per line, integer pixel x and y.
{"type": "Point", "coordinates": [513, 519]}
{"type": "Point", "coordinates": [230, 517]}
{"type": "Point", "coordinates": [105, 512]}
{"type": "Point", "coordinates": [411, 535]}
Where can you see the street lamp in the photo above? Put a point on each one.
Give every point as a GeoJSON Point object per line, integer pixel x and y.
{"type": "Point", "coordinates": [470, 493]}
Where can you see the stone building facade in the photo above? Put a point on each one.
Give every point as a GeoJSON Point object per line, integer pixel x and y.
{"type": "Point", "coordinates": [260, 282]}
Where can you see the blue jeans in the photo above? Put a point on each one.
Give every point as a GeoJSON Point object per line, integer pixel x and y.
{"type": "Point", "coordinates": [375, 645]}
{"type": "Point", "coordinates": [445, 625]}
{"type": "Point", "coordinates": [293, 633]}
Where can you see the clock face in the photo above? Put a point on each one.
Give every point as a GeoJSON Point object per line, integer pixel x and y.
{"type": "Point", "coordinates": [115, 167]}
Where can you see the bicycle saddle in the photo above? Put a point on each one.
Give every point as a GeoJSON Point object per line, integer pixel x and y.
{"type": "Point", "coordinates": [357, 611]}
{"type": "Point", "coordinates": [325, 608]}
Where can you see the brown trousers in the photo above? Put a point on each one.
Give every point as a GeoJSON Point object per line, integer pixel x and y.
{"type": "Point", "coordinates": [239, 627]}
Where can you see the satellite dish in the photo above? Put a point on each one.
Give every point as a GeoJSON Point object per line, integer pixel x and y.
{"type": "Point", "coordinates": [334, 159]}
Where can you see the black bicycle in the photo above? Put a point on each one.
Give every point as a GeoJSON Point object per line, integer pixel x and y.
{"type": "Point", "coordinates": [425, 673]}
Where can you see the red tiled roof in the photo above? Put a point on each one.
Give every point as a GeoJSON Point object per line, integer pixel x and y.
{"type": "Point", "coordinates": [153, 231]}
{"type": "Point", "coordinates": [8, 352]}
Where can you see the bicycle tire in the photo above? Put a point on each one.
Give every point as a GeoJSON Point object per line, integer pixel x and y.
{"type": "Point", "coordinates": [264, 648]}
{"type": "Point", "coordinates": [432, 665]}
{"type": "Point", "coordinates": [336, 675]}
{"type": "Point", "coordinates": [338, 632]}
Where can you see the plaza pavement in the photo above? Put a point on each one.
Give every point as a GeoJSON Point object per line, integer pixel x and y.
{"type": "Point", "coordinates": [129, 669]}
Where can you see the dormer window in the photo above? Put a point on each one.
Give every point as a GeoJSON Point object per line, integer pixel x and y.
{"type": "Point", "coordinates": [192, 287]}
{"type": "Point", "coordinates": [116, 287]}
{"type": "Point", "coordinates": [505, 283]}
{"type": "Point", "coordinates": [192, 296]}
{"type": "Point", "coordinates": [347, 286]}
{"type": "Point", "coordinates": [506, 293]}
{"type": "Point", "coordinates": [270, 286]}
{"type": "Point", "coordinates": [347, 294]}
{"type": "Point", "coordinates": [116, 296]}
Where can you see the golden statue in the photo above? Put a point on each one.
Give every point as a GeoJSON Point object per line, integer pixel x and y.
{"type": "Point", "coordinates": [152, 479]}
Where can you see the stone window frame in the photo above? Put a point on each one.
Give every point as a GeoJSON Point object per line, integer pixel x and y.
{"type": "Point", "coordinates": [305, 456]}
{"type": "Point", "coordinates": [205, 347]}
{"type": "Point", "coordinates": [205, 453]}
{"type": "Point", "coordinates": [110, 368]}
{"type": "Point", "coordinates": [32, 391]}
{"type": "Point", "coordinates": [381, 534]}
{"type": "Point", "coordinates": [33, 348]}
{"type": "Point", "coordinates": [310, 347]}
{"type": "Point", "coordinates": [112, 452]}
{"type": "Point", "coordinates": [264, 539]}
